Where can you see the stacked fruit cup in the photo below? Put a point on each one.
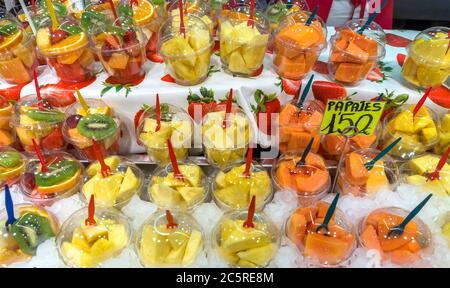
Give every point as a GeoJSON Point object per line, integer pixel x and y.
{"type": "Point", "coordinates": [60, 177]}
{"type": "Point", "coordinates": [175, 124]}
{"type": "Point", "coordinates": [198, 8]}
{"type": "Point", "coordinates": [12, 165]}
{"type": "Point", "coordinates": [7, 135]}
{"type": "Point", "coordinates": [428, 61]}
{"type": "Point", "coordinates": [120, 47]}
{"type": "Point", "coordinates": [17, 52]}
{"type": "Point", "coordinates": [277, 10]}
{"type": "Point", "coordinates": [99, 123]}
{"type": "Point", "coordinates": [39, 121]}
{"type": "Point", "coordinates": [67, 50]}
{"type": "Point", "coordinates": [355, 52]}
{"type": "Point", "coordinates": [186, 54]}
{"type": "Point", "coordinates": [243, 41]}
{"type": "Point", "coordinates": [297, 45]}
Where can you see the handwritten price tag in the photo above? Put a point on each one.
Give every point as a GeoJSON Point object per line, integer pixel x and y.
{"type": "Point", "coordinates": [364, 115]}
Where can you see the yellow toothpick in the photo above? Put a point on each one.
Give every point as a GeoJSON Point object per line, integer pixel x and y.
{"type": "Point", "coordinates": [82, 101]}
{"type": "Point", "coordinates": [51, 10]}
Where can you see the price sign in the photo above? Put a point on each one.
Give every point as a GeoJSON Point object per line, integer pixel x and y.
{"type": "Point", "coordinates": [364, 115]}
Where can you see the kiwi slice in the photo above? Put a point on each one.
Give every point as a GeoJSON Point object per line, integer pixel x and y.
{"type": "Point", "coordinates": [97, 126]}
{"type": "Point", "coordinates": [57, 173]}
{"type": "Point", "coordinates": [10, 159]}
{"type": "Point", "coordinates": [46, 115]}
{"type": "Point", "coordinates": [30, 230]}
{"type": "Point", "coordinates": [276, 12]}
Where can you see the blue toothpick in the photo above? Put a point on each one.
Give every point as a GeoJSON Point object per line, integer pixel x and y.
{"type": "Point", "coordinates": [369, 165]}
{"type": "Point", "coordinates": [311, 17]}
{"type": "Point", "coordinates": [9, 207]}
{"type": "Point", "coordinates": [305, 92]}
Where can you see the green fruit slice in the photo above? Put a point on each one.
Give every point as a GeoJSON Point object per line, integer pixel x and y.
{"type": "Point", "coordinates": [30, 230]}
{"type": "Point", "coordinates": [58, 172]}
{"type": "Point", "coordinates": [10, 159]}
{"type": "Point", "coordinates": [46, 115]}
{"type": "Point", "coordinates": [97, 126]}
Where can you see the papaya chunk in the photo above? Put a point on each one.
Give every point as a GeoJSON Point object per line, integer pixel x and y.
{"type": "Point", "coordinates": [326, 249]}
{"type": "Point", "coordinates": [355, 171]}
{"type": "Point", "coordinates": [348, 72]}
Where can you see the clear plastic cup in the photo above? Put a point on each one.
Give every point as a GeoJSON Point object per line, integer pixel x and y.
{"type": "Point", "coordinates": [42, 15]}
{"type": "Point", "coordinates": [19, 241]}
{"type": "Point", "coordinates": [87, 246]}
{"type": "Point", "coordinates": [297, 45]}
{"type": "Point", "coordinates": [243, 247]}
{"type": "Point", "coordinates": [243, 43]}
{"type": "Point", "coordinates": [12, 165]}
{"type": "Point", "coordinates": [67, 51]}
{"type": "Point", "coordinates": [444, 134]}
{"type": "Point", "coordinates": [279, 9]}
{"type": "Point", "coordinates": [297, 126]}
{"type": "Point", "coordinates": [331, 248]}
{"type": "Point", "coordinates": [417, 170]}
{"type": "Point", "coordinates": [77, 8]}
{"type": "Point", "coordinates": [354, 178]}
{"type": "Point", "coordinates": [76, 129]}
{"type": "Point", "coordinates": [419, 134]}
{"type": "Point", "coordinates": [406, 249]}
{"type": "Point", "coordinates": [187, 57]}
{"type": "Point", "coordinates": [310, 180]}
{"type": "Point", "coordinates": [201, 9]}
{"type": "Point", "coordinates": [63, 179]}
{"type": "Point", "coordinates": [428, 60]}
{"type": "Point", "coordinates": [169, 192]}
{"type": "Point", "coordinates": [354, 54]}
{"type": "Point", "coordinates": [159, 245]}
{"type": "Point", "coordinates": [42, 125]}
{"type": "Point", "coordinates": [224, 146]}
{"type": "Point", "coordinates": [446, 227]}
{"type": "Point", "coordinates": [116, 190]}
{"type": "Point", "coordinates": [7, 134]}
{"type": "Point", "coordinates": [232, 190]}
{"type": "Point", "coordinates": [17, 53]}
{"type": "Point", "coordinates": [176, 125]}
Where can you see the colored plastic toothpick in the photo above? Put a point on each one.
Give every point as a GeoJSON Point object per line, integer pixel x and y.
{"type": "Point", "coordinates": [104, 168]}
{"type": "Point", "coordinates": [302, 160]}
{"type": "Point", "coordinates": [228, 109]}
{"type": "Point", "coordinates": [44, 167]}
{"type": "Point", "coordinates": [170, 221]}
{"type": "Point", "coordinates": [251, 213]}
{"type": "Point", "coordinates": [9, 205]}
{"type": "Point", "coordinates": [435, 175]}
{"type": "Point", "coordinates": [369, 165]}
{"type": "Point", "coordinates": [91, 212]}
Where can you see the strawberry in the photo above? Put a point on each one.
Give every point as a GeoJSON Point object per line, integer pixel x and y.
{"type": "Point", "coordinates": [392, 101]}
{"type": "Point", "coordinates": [216, 46]}
{"type": "Point", "coordinates": [58, 95]}
{"type": "Point", "coordinates": [155, 57]}
{"type": "Point", "coordinates": [321, 67]}
{"type": "Point", "coordinates": [58, 35]}
{"type": "Point", "coordinates": [396, 40]}
{"type": "Point", "coordinates": [137, 117]}
{"type": "Point", "coordinates": [324, 90]}
{"type": "Point", "coordinates": [168, 78]}
{"type": "Point", "coordinates": [266, 105]}
{"type": "Point", "coordinates": [152, 43]}
{"type": "Point", "coordinates": [441, 96]}
{"type": "Point", "coordinates": [289, 87]}
{"type": "Point", "coordinates": [53, 140]}
{"type": "Point", "coordinates": [12, 93]}
{"type": "Point", "coordinates": [376, 75]}
{"type": "Point", "coordinates": [205, 101]}
{"type": "Point", "coordinates": [258, 71]}
{"type": "Point", "coordinates": [401, 59]}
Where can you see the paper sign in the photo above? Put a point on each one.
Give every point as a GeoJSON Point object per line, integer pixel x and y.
{"type": "Point", "coordinates": [339, 115]}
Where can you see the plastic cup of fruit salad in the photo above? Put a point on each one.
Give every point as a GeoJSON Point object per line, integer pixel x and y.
{"type": "Point", "coordinates": [169, 192]}
{"type": "Point", "coordinates": [428, 60]}
{"type": "Point", "coordinates": [87, 246]}
{"type": "Point", "coordinates": [416, 172]}
{"type": "Point", "coordinates": [310, 180]}
{"type": "Point", "coordinates": [187, 56]}
{"type": "Point", "coordinates": [76, 10]}
{"type": "Point", "coordinates": [243, 247]}
{"type": "Point", "coordinates": [100, 124]}
{"type": "Point", "coordinates": [243, 45]}
{"type": "Point", "coordinates": [354, 54]}
{"type": "Point", "coordinates": [297, 126]}
{"type": "Point", "coordinates": [406, 249]}
{"type": "Point", "coordinates": [19, 241]}
{"type": "Point", "coordinates": [225, 145]}
{"type": "Point", "coordinates": [176, 125]}
{"type": "Point", "coordinates": [17, 53]}
{"type": "Point", "coordinates": [67, 51]}
{"type": "Point", "coordinates": [279, 9]}
{"type": "Point", "coordinates": [201, 9]}
{"type": "Point", "coordinates": [160, 246]}
{"type": "Point", "coordinates": [120, 48]}
{"type": "Point", "coordinates": [44, 126]}
{"type": "Point", "coordinates": [116, 190]}
{"type": "Point", "coordinates": [12, 165]}
{"type": "Point", "coordinates": [355, 178]}
{"type": "Point", "coordinates": [7, 135]}
{"type": "Point", "coordinates": [330, 248]}
{"type": "Point", "coordinates": [297, 45]}
{"type": "Point", "coordinates": [63, 178]}
{"type": "Point", "coordinates": [233, 190]}
{"type": "Point", "coordinates": [419, 134]}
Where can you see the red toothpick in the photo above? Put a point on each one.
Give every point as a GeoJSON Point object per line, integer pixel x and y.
{"type": "Point", "coordinates": [435, 175]}
{"type": "Point", "coordinates": [38, 90]}
{"type": "Point", "coordinates": [248, 162]}
{"type": "Point", "coordinates": [173, 160]}
{"type": "Point", "coordinates": [40, 157]}
{"type": "Point", "coordinates": [180, 7]}
{"type": "Point", "coordinates": [91, 212]}
{"type": "Point", "coordinates": [228, 109]}
{"type": "Point", "coordinates": [104, 168]}
{"type": "Point", "coordinates": [250, 21]}
{"type": "Point", "coordinates": [251, 213]}
{"type": "Point", "coordinates": [170, 222]}
{"type": "Point", "coordinates": [33, 3]}
{"type": "Point", "coordinates": [421, 101]}
{"type": "Point", "coordinates": [113, 9]}
{"type": "Point", "coordinates": [158, 114]}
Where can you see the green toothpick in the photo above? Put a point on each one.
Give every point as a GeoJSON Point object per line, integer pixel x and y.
{"type": "Point", "coordinates": [369, 165]}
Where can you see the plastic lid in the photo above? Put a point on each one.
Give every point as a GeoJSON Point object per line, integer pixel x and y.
{"type": "Point", "coordinates": [28, 114]}
{"type": "Point", "coordinates": [241, 13]}
{"type": "Point", "coordinates": [12, 164]}
{"type": "Point", "coordinates": [196, 7]}
{"type": "Point", "coordinates": [176, 246]}
{"type": "Point", "coordinates": [430, 47]}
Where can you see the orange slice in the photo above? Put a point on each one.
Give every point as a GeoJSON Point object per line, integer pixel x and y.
{"type": "Point", "coordinates": [41, 212]}
{"type": "Point", "coordinates": [143, 12]}
{"type": "Point", "coordinates": [69, 44]}
{"type": "Point", "coordinates": [11, 40]}
{"type": "Point", "coordinates": [12, 173]}
{"type": "Point", "coordinates": [61, 187]}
